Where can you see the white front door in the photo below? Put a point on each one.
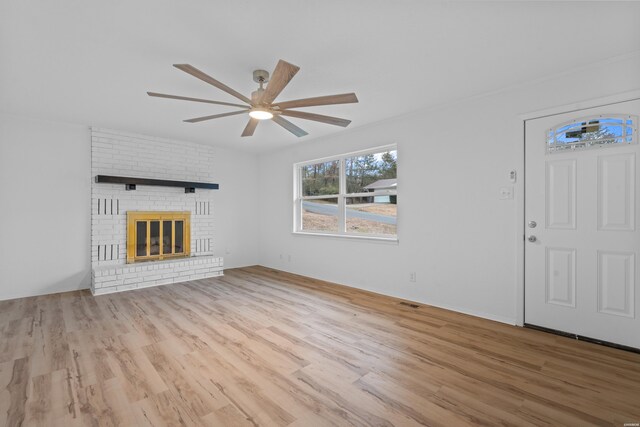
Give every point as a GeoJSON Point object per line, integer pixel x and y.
{"type": "Point", "coordinates": [582, 222]}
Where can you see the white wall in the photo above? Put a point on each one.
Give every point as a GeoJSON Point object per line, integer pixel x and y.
{"type": "Point", "coordinates": [453, 230]}
{"type": "Point", "coordinates": [45, 177]}
{"type": "Point", "coordinates": [45, 170]}
{"type": "Point", "coordinates": [236, 209]}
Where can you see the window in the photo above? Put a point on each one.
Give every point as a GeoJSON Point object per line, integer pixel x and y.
{"type": "Point", "coordinates": [350, 195]}
{"type": "Point", "coordinates": [593, 132]}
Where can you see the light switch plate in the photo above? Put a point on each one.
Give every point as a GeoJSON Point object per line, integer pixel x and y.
{"type": "Point", "coordinates": [506, 193]}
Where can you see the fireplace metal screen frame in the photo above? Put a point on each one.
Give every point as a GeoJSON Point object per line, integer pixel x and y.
{"type": "Point", "coordinates": [133, 217]}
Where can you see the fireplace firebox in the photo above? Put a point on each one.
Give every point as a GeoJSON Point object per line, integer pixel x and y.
{"type": "Point", "coordinates": [158, 235]}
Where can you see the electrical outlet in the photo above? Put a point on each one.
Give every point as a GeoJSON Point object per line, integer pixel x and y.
{"type": "Point", "coordinates": [289, 258]}
{"type": "Point", "coordinates": [412, 276]}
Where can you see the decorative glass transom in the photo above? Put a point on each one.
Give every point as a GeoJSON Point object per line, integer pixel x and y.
{"type": "Point", "coordinates": [593, 132]}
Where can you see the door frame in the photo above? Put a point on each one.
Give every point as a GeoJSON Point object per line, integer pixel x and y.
{"type": "Point", "coordinates": [520, 183]}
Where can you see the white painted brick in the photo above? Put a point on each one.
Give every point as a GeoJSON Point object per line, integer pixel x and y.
{"type": "Point", "coordinates": [133, 280]}
{"type": "Point", "coordinates": [119, 153]}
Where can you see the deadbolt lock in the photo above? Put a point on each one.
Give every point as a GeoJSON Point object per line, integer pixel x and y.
{"type": "Point", "coordinates": [532, 224]}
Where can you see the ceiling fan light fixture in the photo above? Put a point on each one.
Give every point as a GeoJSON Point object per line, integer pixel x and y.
{"type": "Point", "coordinates": [260, 114]}
{"type": "Point", "coordinates": [262, 105]}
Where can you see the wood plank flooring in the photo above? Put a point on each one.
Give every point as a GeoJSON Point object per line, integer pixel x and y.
{"type": "Point", "coordinates": [260, 347]}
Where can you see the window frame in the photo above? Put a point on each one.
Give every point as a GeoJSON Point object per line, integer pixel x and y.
{"type": "Point", "coordinates": [341, 196]}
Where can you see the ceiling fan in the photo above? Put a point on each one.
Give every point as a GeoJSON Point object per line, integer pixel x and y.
{"type": "Point", "coordinates": [261, 106]}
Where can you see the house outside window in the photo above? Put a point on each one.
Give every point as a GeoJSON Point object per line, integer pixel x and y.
{"type": "Point", "coordinates": [351, 195]}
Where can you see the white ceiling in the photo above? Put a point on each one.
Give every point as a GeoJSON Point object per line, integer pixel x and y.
{"type": "Point", "coordinates": [91, 62]}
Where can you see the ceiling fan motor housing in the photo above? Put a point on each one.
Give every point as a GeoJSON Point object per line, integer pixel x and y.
{"type": "Point", "coordinates": [256, 95]}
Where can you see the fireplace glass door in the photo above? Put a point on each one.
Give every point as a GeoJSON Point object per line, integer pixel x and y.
{"type": "Point", "coordinates": [157, 235]}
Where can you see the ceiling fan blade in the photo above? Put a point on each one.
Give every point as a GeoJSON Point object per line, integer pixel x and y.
{"type": "Point", "coordinates": [316, 117]}
{"type": "Point", "coordinates": [215, 116]}
{"type": "Point", "coordinates": [208, 79]}
{"type": "Point", "coordinates": [186, 98]}
{"type": "Point", "coordinates": [289, 126]}
{"type": "Point", "coordinates": [281, 76]}
{"type": "Point", "coordinates": [251, 127]}
{"type": "Point", "coordinates": [344, 98]}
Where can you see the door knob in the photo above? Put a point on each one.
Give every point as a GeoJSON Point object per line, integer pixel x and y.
{"type": "Point", "coordinates": [532, 238]}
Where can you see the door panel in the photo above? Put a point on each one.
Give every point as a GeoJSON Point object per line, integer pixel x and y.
{"type": "Point", "coordinates": [561, 276]}
{"type": "Point", "coordinates": [581, 264]}
{"type": "Point", "coordinates": [616, 283]}
{"type": "Point", "coordinates": [561, 194]}
{"type": "Point", "coordinates": [616, 192]}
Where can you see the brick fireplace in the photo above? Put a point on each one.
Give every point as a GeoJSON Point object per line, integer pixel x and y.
{"type": "Point", "coordinates": [115, 153]}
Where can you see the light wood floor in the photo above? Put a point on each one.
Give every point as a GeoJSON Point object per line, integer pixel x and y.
{"type": "Point", "coordinates": [262, 347]}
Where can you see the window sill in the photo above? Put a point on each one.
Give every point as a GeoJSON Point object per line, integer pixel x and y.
{"type": "Point", "coordinates": [392, 240]}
